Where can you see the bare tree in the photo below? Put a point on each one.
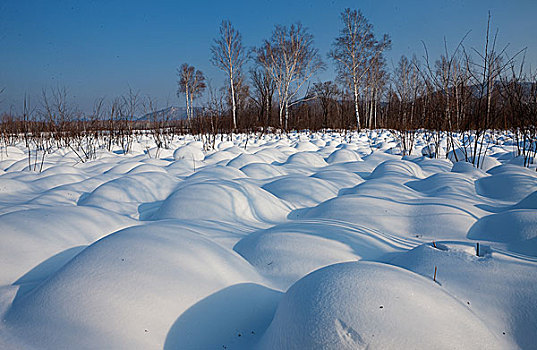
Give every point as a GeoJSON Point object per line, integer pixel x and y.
{"type": "Point", "coordinates": [87, 133]}
{"type": "Point", "coordinates": [26, 118]}
{"type": "Point", "coordinates": [487, 69]}
{"type": "Point", "coordinates": [519, 91]}
{"type": "Point", "coordinates": [407, 82]}
{"type": "Point", "coordinates": [376, 79]}
{"type": "Point", "coordinates": [326, 93]}
{"type": "Point", "coordinates": [448, 71]}
{"type": "Point", "coordinates": [263, 85]}
{"type": "Point", "coordinates": [407, 86]}
{"type": "Point", "coordinates": [292, 60]}
{"type": "Point", "coordinates": [354, 49]}
{"type": "Point", "coordinates": [58, 113]}
{"type": "Point", "coordinates": [242, 94]}
{"type": "Point", "coordinates": [130, 105]}
{"type": "Point", "coordinates": [185, 74]}
{"type": "Point", "coordinates": [157, 118]}
{"type": "Point", "coordinates": [262, 92]}
{"type": "Point", "coordinates": [228, 55]}
{"type": "Point", "coordinates": [213, 111]}
{"type": "Point", "coordinates": [191, 83]}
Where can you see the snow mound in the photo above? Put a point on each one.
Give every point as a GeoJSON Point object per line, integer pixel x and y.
{"type": "Point", "coordinates": [12, 186]}
{"type": "Point", "coordinates": [468, 169]}
{"type": "Point", "coordinates": [244, 159]}
{"type": "Point", "coordinates": [529, 202]}
{"type": "Point", "coordinates": [485, 162]}
{"type": "Point", "coordinates": [130, 288]}
{"type": "Point", "coordinates": [222, 200]}
{"type": "Point", "coordinates": [512, 184]}
{"type": "Point", "coordinates": [339, 178]}
{"type": "Point", "coordinates": [189, 152]}
{"type": "Point", "coordinates": [512, 169]}
{"type": "Point", "coordinates": [508, 226]}
{"type": "Point", "coordinates": [318, 142]}
{"type": "Point", "coordinates": [287, 256]}
{"type": "Point", "coordinates": [216, 172]}
{"type": "Point", "coordinates": [287, 252]}
{"type": "Point", "coordinates": [302, 191]}
{"type": "Point", "coordinates": [225, 144]}
{"type": "Point", "coordinates": [286, 149]}
{"type": "Point", "coordinates": [431, 166]}
{"type": "Point", "coordinates": [373, 306]}
{"type": "Point", "coordinates": [216, 157]}
{"type": "Point", "coordinates": [430, 217]}
{"type": "Point", "coordinates": [48, 182]}
{"type": "Point", "coordinates": [347, 146]}
{"type": "Point", "coordinates": [30, 237]}
{"type": "Point", "coordinates": [146, 168]}
{"type": "Point", "coordinates": [261, 171]}
{"type": "Point", "coordinates": [306, 146]}
{"type": "Point", "coordinates": [234, 150]}
{"type": "Point", "coordinates": [496, 287]}
{"type": "Point", "coordinates": [123, 167]}
{"type": "Point", "coordinates": [343, 155]}
{"type": "Point", "coordinates": [310, 159]}
{"type": "Point", "coordinates": [61, 170]}
{"type": "Point", "coordinates": [234, 317]}
{"type": "Point", "coordinates": [271, 155]}
{"type": "Point", "coordinates": [125, 195]}
{"type": "Point", "coordinates": [444, 183]}
{"type": "Point", "coordinates": [398, 168]}
{"type": "Point", "coordinates": [13, 152]}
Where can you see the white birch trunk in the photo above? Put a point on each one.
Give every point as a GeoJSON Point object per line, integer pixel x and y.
{"type": "Point", "coordinates": [233, 107]}
{"type": "Point", "coordinates": [286, 113]}
{"type": "Point", "coordinates": [187, 105]}
{"type": "Point", "coordinates": [356, 107]}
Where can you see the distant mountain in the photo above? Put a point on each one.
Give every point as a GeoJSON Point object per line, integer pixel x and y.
{"type": "Point", "coordinates": [499, 86]}
{"type": "Point", "coordinates": [170, 113]}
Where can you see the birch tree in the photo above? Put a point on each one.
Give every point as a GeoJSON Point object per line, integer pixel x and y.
{"type": "Point", "coordinates": [292, 60]}
{"type": "Point", "coordinates": [353, 49]}
{"type": "Point", "coordinates": [376, 79]}
{"type": "Point", "coordinates": [229, 55]}
{"type": "Point", "coordinates": [191, 83]}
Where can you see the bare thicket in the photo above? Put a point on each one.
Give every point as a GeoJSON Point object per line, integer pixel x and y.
{"type": "Point", "coordinates": [157, 119]}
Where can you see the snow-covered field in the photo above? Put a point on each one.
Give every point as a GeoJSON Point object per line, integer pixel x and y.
{"type": "Point", "coordinates": [306, 241]}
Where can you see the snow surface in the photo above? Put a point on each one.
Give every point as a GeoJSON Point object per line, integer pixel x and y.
{"type": "Point", "coordinates": [298, 241]}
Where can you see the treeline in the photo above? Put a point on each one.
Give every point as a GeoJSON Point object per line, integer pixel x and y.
{"type": "Point", "coordinates": [461, 94]}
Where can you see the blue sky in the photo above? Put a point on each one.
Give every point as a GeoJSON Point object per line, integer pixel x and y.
{"type": "Point", "coordinates": [101, 48]}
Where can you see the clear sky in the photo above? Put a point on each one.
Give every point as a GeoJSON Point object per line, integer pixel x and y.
{"type": "Point", "coordinates": [101, 48]}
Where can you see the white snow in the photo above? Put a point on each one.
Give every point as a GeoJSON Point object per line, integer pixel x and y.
{"type": "Point", "coordinates": [369, 305]}
{"type": "Point", "coordinates": [298, 241]}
